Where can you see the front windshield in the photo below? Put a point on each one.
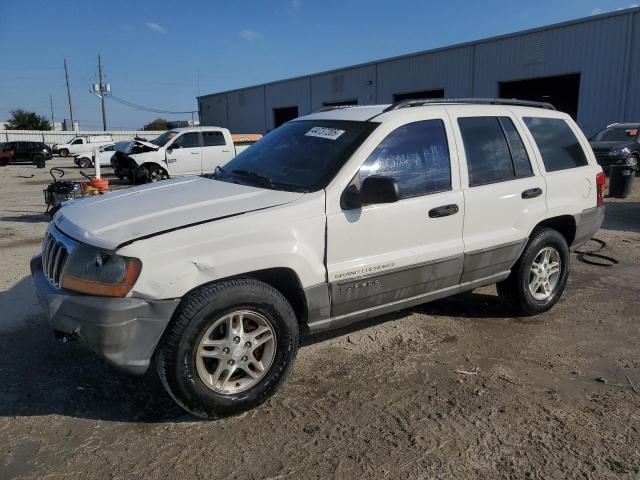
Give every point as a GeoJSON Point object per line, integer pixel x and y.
{"type": "Point", "coordinates": [299, 156]}
{"type": "Point", "coordinates": [163, 139]}
{"type": "Point", "coordinates": [618, 134]}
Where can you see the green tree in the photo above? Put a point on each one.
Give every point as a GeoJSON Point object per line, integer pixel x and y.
{"type": "Point", "coordinates": [23, 120]}
{"type": "Point", "coordinates": [157, 124]}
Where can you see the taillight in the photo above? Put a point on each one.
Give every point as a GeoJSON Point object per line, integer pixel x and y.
{"type": "Point", "coordinates": [600, 179]}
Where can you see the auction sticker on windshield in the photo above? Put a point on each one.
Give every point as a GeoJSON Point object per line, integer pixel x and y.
{"type": "Point", "coordinates": [324, 132]}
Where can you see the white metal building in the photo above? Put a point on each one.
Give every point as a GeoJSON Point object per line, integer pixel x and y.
{"type": "Point", "coordinates": [589, 68]}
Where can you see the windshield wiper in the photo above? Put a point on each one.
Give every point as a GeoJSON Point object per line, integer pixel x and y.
{"type": "Point", "coordinates": [248, 173]}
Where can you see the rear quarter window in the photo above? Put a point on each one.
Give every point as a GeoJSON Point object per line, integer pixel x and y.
{"type": "Point", "coordinates": [558, 145]}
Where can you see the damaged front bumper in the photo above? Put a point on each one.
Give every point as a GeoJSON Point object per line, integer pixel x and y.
{"type": "Point", "coordinates": [124, 331]}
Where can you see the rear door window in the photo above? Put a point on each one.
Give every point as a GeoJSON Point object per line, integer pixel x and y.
{"type": "Point", "coordinates": [212, 139]}
{"type": "Point", "coordinates": [558, 145]}
{"type": "Point", "coordinates": [493, 149]}
{"type": "Point", "coordinates": [416, 155]}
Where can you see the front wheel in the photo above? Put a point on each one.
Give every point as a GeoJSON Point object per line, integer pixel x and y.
{"type": "Point", "coordinates": [84, 162]}
{"type": "Point", "coordinates": [151, 173]}
{"type": "Point", "coordinates": [539, 277]}
{"type": "Point", "coordinates": [228, 348]}
{"type": "Point", "coordinates": [64, 152]}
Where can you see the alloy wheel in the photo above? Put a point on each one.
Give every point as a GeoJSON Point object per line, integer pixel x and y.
{"type": "Point", "coordinates": [544, 273]}
{"type": "Point", "coordinates": [236, 352]}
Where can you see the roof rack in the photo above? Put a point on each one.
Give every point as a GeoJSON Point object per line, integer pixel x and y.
{"type": "Point", "coordinates": [328, 108]}
{"type": "Point", "coordinates": [468, 101]}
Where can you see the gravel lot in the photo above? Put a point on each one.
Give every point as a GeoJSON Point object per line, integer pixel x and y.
{"type": "Point", "coordinates": [551, 397]}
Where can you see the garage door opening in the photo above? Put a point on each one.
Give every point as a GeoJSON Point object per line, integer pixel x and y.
{"type": "Point", "coordinates": [344, 103]}
{"type": "Point", "coordinates": [425, 94]}
{"type": "Point", "coordinates": [283, 115]}
{"type": "Point", "coordinates": [562, 91]}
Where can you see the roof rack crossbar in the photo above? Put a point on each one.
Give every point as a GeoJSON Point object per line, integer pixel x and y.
{"type": "Point", "coordinates": [468, 101]}
{"type": "Point", "coordinates": [328, 108]}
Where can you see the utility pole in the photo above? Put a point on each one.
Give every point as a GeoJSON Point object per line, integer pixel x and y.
{"type": "Point", "coordinates": [66, 75]}
{"type": "Point", "coordinates": [51, 103]}
{"type": "Point", "coordinates": [102, 91]}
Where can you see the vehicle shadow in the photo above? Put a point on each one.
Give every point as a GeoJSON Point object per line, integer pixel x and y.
{"type": "Point", "coordinates": [622, 216]}
{"type": "Point", "coordinates": [41, 375]}
{"type": "Point", "coordinates": [27, 218]}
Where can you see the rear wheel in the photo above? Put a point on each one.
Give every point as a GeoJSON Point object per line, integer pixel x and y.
{"type": "Point", "coordinates": [539, 277]}
{"type": "Point", "coordinates": [229, 347]}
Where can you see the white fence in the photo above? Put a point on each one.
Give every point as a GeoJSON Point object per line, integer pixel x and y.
{"type": "Point", "coordinates": [50, 137]}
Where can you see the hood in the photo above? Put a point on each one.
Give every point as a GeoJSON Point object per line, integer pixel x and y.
{"type": "Point", "coordinates": [135, 146]}
{"type": "Point", "coordinates": [110, 220]}
{"type": "Point", "coordinates": [608, 146]}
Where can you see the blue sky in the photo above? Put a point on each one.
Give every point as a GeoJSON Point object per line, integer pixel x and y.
{"type": "Point", "coordinates": [153, 50]}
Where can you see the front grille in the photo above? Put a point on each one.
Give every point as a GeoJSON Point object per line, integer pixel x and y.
{"type": "Point", "coordinates": [54, 258]}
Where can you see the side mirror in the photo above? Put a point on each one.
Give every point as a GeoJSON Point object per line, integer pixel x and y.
{"type": "Point", "coordinates": [374, 190]}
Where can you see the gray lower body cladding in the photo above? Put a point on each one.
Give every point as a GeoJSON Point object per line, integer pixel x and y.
{"type": "Point", "coordinates": [124, 331]}
{"type": "Point", "coordinates": [587, 224]}
{"type": "Point", "coordinates": [356, 299]}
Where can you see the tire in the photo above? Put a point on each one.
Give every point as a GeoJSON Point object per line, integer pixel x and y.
{"type": "Point", "coordinates": [180, 368]}
{"type": "Point", "coordinates": [64, 152]}
{"type": "Point", "coordinates": [636, 157]}
{"type": "Point", "coordinates": [84, 162]}
{"type": "Point", "coordinates": [515, 290]}
{"type": "Point", "coordinates": [150, 174]}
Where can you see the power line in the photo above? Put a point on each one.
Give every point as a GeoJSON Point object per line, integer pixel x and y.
{"type": "Point", "coordinates": [146, 109]}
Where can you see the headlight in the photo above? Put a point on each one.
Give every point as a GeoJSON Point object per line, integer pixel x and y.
{"type": "Point", "coordinates": [97, 272]}
{"type": "Point", "coordinates": [620, 151]}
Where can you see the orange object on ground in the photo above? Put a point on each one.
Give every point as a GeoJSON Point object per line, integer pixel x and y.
{"type": "Point", "coordinates": [102, 185]}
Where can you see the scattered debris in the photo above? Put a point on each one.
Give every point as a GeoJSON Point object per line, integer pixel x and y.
{"type": "Point", "coordinates": [473, 371]}
{"type": "Point", "coordinates": [508, 380]}
{"type": "Point", "coordinates": [311, 429]}
{"type": "Point", "coordinates": [633, 387]}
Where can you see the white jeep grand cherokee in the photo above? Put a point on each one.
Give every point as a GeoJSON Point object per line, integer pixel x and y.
{"type": "Point", "coordinates": [333, 217]}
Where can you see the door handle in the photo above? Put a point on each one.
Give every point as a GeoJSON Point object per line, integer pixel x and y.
{"type": "Point", "coordinates": [443, 211]}
{"type": "Point", "coordinates": [532, 193]}
{"type": "Point", "coordinates": [195, 153]}
{"type": "Point", "coordinates": [226, 151]}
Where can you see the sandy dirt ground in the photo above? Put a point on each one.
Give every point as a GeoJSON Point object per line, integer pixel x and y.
{"type": "Point", "coordinates": [552, 397]}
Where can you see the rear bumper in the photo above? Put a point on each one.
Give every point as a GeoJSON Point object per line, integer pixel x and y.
{"type": "Point", "coordinates": [124, 331]}
{"type": "Point", "coordinates": [587, 224]}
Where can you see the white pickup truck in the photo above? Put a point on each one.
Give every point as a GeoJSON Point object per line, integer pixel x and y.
{"type": "Point", "coordinates": [81, 144]}
{"type": "Point", "coordinates": [178, 152]}
{"type": "Point", "coordinates": [331, 218]}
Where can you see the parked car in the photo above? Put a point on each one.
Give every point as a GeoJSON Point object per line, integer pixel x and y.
{"type": "Point", "coordinates": [178, 152]}
{"type": "Point", "coordinates": [332, 218]}
{"type": "Point", "coordinates": [85, 159]}
{"type": "Point", "coordinates": [618, 144]}
{"type": "Point", "coordinates": [81, 144]}
{"type": "Point", "coordinates": [24, 151]}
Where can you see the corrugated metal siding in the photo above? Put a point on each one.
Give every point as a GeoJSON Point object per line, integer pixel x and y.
{"type": "Point", "coordinates": [595, 49]}
{"type": "Point", "coordinates": [632, 107]}
{"type": "Point", "coordinates": [288, 93]}
{"type": "Point", "coordinates": [213, 110]}
{"type": "Point", "coordinates": [352, 84]}
{"type": "Point", "coordinates": [446, 69]}
{"type": "Point", "coordinates": [246, 110]}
